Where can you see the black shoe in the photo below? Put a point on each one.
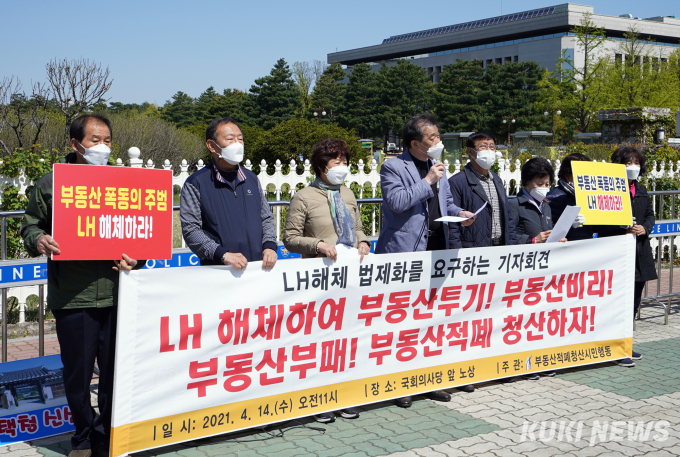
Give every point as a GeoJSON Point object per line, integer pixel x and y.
{"type": "Point", "coordinates": [550, 374]}
{"type": "Point", "coordinates": [439, 396]}
{"type": "Point", "coordinates": [325, 418]}
{"type": "Point", "coordinates": [99, 449]}
{"type": "Point", "coordinates": [627, 362]}
{"type": "Point", "coordinates": [469, 388]}
{"type": "Point", "coordinates": [533, 377]}
{"type": "Point", "coordinates": [636, 356]}
{"type": "Point", "coordinates": [403, 402]}
{"type": "Point", "coordinates": [350, 413]}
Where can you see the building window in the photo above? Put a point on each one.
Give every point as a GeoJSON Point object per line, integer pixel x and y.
{"type": "Point", "coordinates": [516, 59]}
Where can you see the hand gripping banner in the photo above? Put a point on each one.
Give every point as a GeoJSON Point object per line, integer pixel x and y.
{"type": "Point", "coordinates": [208, 350]}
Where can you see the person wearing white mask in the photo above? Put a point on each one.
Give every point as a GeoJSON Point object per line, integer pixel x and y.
{"type": "Point", "coordinates": [326, 214]}
{"type": "Point", "coordinates": [476, 185]}
{"type": "Point", "coordinates": [416, 193]}
{"type": "Point", "coordinates": [82, 295]}
{"type": "Point", "coordinates": [643, 224]}
{"type": "Point", "coordinates": [225, 216]}
{"type": "Point", "coordinates": [530, 211]}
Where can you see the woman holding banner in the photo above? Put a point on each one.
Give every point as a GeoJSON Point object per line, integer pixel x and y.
{"type": "Point", "coordinates": [324, 218]}
{"type": "Point", "coordinates": [643, 224]}
{"type": "Point", "coordinates": [531, 211]}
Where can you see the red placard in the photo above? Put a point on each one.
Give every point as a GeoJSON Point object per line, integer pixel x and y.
{"type": "Point", "coordinates": [101, 212]}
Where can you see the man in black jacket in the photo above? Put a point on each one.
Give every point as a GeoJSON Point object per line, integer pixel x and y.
{"type": "Point", "coordinates": [475, 185]}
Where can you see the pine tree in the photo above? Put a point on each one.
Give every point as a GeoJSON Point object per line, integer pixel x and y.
{"type": "Point", "coordinates": [274, 98]}
{"type": "Point", "coordinates": [359, 108]}
{"type": "Point", "coordinates": [458, 100]}
{"type": "Point", "coordinates": [329, 91]}
{"type": "Point", "coordinates": [512, 90]}
{"type": "Point", "coordinates": [180, 111]}
{"type": "Point", "coordinates": [405, 91]}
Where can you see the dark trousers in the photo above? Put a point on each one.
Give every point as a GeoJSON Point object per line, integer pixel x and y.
{"type": "Point", "coordinates": [84, 335]}
{"type": "Point", "coordinates": [639, 287]}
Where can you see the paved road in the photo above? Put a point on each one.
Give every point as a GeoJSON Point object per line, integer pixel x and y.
{"type": "Point", "coordinates": [571, 414]}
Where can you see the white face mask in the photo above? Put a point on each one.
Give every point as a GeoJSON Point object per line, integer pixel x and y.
{"type": "Point", "coordinates": [633, 171]}
{"type": "Point", "coordinates": [539, 193]}
{"type": "Point", "coordinates": [435, 151]}
{"type": "Point", "coordinates": [337, 174]}
{"type": "Point", "coordinates": [96, 155]}
{"type": "Point", "coordinates": [232, 154]}
{"type": "Point", "coordinates": [486, 159]}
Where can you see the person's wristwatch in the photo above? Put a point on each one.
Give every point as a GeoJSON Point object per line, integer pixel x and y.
{"type": "Point", "coordinates": [223, 256]}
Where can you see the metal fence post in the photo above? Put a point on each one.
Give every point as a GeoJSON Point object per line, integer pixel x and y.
{"type": "Point", "coordinates": [41, 320]}
{"type": "Point", "coordinates": [4, 293]}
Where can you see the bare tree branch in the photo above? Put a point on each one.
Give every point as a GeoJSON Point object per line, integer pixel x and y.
{"type": "Point", "coordinates": [77, 85]}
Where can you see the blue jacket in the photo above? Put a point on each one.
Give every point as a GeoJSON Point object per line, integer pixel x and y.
{"type": "Point", "coordinates": [469, 194]}
{"type": "Point", "coordinates": [405, 211]}
{"type": "Point", "coordinates": [559, 199]}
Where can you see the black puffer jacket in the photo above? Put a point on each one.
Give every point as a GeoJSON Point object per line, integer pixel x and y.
{"type": "Point", "coordinates": [644, 215]}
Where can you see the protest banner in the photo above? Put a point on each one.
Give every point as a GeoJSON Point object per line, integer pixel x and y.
{"type": "Point", "coordinates": [33, 400]}
{"type": "Point", "coordinates": [101, 212]}
{"type": "Point", "coordinates": [602, 193]}
{"type": "Point", "coordinates": [207, 350]}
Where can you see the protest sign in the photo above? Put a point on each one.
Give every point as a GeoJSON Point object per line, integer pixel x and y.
{"type": "Point", "coordinates": [33, 400]}
{"type": "Point", "coordinates": [602, 193]}
{"type": "Point", "coordinates": [101, 212]}
{"type": "Point", "coordinates": [207, 350]}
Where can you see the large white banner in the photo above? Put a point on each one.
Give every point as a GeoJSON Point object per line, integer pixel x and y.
{"type": "Point", "coordinates": [207, 350]}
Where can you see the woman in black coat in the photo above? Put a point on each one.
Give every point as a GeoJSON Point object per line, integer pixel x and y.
{"type": "Point", "coordinates": [643, 220]}
{"type": "Point", "coordinates": [531, 211]}
{"type": "Point", "coordinates": [563, 195]}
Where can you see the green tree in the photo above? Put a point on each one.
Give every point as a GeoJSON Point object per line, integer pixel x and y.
{"type": "Point", "coordinates": [458, 99]}
{"type": "Point", "coordinates": [274, 98]}
{"type": "Point", "coordinates": [294, 139]}
{"type": "Point", "coordinates": [639, 78]}
{"type": "Point", "coordinates": [180, 111]}
{"type": "Point", "coordinates": [329, 91]}
{"type": "Point", "coordinates": [404, 91]}
{"type": "Point", "coordinates": [211, 105]}
{"type": "Point", "coordinates": [304, 77]}
{"type": "Point", "coordinates": [359, 107]}
{"type": "Point", "coordinates": [512, 90]}
{"type": "Point", "coordinates": [582, 85]}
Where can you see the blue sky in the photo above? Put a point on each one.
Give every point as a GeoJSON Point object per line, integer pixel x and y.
{"type": "Point", "coordinates": [156, 48]}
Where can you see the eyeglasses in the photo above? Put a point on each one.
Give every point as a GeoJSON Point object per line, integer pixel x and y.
{"type": "Point", "coordinates": [485, 147]}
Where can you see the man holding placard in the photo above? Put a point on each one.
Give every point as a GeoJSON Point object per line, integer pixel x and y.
{"type": "Point", "coordinates": [83, 296]}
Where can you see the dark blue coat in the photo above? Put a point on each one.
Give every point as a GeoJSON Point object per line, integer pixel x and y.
{"type": "Point", "coordinates": [469, 194]}
{"type": "Point", "coordinates": [529, 221]}
{"type": "Point", "coordinates": [231, 214]}
{"type": "Point", "coordinates": [559, 199]}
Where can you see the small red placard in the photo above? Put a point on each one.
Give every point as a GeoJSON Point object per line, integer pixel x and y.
{"type": "Point", "coordinates": [103, 212]}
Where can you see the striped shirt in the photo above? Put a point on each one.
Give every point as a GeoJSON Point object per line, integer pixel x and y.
{"type": "Point", "coordinates": [492, 196]}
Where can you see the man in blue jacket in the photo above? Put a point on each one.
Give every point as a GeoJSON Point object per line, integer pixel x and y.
{"type": "Point", "coordinates": [416, 193]}
{"type": "Point", "coordinates": [475, 185]}
{"type": "Point", "coordinates": [225, 217]}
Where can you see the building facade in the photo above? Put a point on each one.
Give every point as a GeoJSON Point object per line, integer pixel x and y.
{"type": "Point", "coordinates": [542, 35]}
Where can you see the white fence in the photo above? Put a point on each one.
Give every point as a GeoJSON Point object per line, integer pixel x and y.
{"type": "Point", "coordinates": [280, 183]}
